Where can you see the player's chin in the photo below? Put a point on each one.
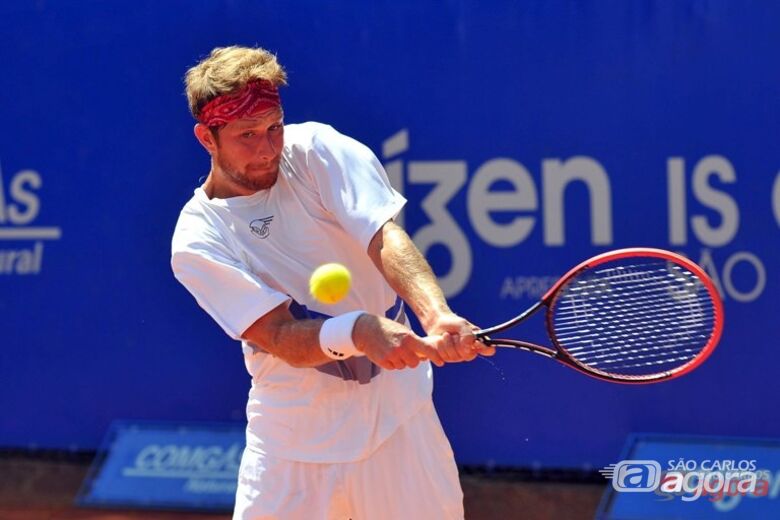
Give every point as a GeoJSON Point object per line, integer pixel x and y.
{"type": "Point", "coordinates": [263, 179]}
{"type": "Point", "coordinates": [264, 167]}
{"type": "Point", "coordinates": [260, 172]}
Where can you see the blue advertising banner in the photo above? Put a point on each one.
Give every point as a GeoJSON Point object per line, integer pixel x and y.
{"type": "Point", "coordinates": [156, 465]}
{"type": "Point", "coordinates": [667, 476]}
{"type": "Point", "coordinates": [527, 137]}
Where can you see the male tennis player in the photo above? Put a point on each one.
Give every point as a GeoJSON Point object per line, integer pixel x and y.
{"type": "Point", "coordinates": [340, 418]}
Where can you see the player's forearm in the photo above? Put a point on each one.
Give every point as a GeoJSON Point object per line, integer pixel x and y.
{"type": "Point", "coordinates": [408, 273]}
{"type": "Point", "coordinates": [296, 342]}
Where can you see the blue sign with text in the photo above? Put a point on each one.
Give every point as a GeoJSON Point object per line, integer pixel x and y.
{"type": "Point", "coordinates": [155, 465]}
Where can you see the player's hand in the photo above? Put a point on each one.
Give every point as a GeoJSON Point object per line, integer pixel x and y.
{"type": "Point", "coordinates": [458, 341]}
{"type": "Point", "coordinates": [393, 346]}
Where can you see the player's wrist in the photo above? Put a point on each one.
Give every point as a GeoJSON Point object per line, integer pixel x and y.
{"type": "Point", "coordinates": [336, 336]}
{"type": "Point", "coordinates": [432, 319]}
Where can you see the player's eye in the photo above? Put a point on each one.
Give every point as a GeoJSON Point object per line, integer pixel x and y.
{"type": "Point", "coordinates": [248, 134]}
{"type": "Point", "coordinates": [275, 127]}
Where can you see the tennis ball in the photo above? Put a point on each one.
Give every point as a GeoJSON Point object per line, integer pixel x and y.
{"type": "Point", "coordinates": [329, 283]}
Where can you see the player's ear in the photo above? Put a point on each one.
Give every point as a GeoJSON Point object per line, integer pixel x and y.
{"type": "Point", "coordinates": [205, 137]}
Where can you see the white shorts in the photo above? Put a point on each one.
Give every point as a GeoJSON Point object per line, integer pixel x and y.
{"type": "Point", "coordinates": [412, 475]}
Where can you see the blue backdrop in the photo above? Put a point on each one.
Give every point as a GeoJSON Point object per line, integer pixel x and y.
{"type": "Point", "coordinates": [526, 135]}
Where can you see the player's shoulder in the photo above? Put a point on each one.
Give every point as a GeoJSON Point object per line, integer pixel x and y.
{"type": "Point", "coordinates": [193, 209]}
{"type": "Point", "coordinates": [309, 134]}
{"type": "Point", "coordinates": [322, 139]}
{"type": "Point", "coordinates": [195, 224]}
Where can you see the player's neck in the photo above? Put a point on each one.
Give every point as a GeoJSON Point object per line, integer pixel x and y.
{"type": "Point", "coordinates": [219, 187]}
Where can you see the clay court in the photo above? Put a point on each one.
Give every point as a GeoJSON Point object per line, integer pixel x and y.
{"type": "Point", "coordinates": [44, 486]}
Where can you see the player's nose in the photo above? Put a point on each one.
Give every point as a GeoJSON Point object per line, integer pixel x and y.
{"type": "Point", "coordinates": [266, 148]}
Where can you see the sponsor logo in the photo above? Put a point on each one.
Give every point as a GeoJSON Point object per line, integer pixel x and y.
{"type": "Point", "coordinates": [506, 200]}
{"type": "Point", "coordinates": [261, 227]}
{"type": "Point", "coordinates": [204, 469]}
{"type": "Point", "coordinates": [21, 241]}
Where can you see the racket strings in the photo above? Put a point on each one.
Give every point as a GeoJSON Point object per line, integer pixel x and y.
{"type": "Point", "coordinates": [632, 305]}
{"type": "Point", "coordinates": [684, 322]}
{"type": "Point", "coordinates": [632, 328]}
{"type": "Point", "coordinates": [625, 354]}
{"type": "Point", "coordinates": [634, 318]}
{"type": "Point", "coordinates": [640, 299]}
{"type": "Point", "coordinates": [571, 318]}
{"type": "Point", "coordinates": [617, 349]}
{"type": "Point", "coordinates": [636, 292]}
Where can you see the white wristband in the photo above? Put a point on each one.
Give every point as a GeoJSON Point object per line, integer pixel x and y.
{"type": "Point", "coordinates": [336, 336]}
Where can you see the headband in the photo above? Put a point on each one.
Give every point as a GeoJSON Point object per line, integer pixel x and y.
{"type": "Point", "coordinates": [256, 97]}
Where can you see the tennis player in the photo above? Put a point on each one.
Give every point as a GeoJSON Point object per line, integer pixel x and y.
{"type": "Point", "coordinates": [340, 418]}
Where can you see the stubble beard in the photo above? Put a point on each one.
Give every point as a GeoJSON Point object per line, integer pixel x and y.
{"type": "Point", "coordinates": [243, 179]}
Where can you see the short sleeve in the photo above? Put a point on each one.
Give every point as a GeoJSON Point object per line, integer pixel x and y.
{"type": "Point", "coordinates": [225, 288]}
{"type": "Point", "coordinates": [352, 184]}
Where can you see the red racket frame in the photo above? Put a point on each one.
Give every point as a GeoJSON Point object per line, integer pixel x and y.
{"type": "Point", "coordinates": [560, 354]}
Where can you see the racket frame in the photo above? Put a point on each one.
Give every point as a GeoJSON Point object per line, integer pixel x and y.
{"type": "Point", "coordinates": [560, 354]}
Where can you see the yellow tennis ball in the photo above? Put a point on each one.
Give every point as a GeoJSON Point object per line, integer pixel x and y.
{"type": "Point", "coordinates": [329, 283]}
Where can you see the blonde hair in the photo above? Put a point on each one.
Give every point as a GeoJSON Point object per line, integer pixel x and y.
{"type": "Point", "coordinates": [227, 70]}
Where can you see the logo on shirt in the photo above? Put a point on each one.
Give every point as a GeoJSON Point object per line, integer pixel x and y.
{"type": "Point", "coordinates": [261, 227]}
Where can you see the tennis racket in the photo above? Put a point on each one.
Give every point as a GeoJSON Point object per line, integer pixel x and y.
{"type": "Point", "coordinates": [636, 315]}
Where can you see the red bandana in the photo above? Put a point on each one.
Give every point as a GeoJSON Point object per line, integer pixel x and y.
{"type": "Point", "coordinates": [257, 97]}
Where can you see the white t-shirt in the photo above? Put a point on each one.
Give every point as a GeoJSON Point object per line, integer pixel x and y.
{"type": "Point", "coordinates": [241, 257]}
